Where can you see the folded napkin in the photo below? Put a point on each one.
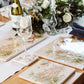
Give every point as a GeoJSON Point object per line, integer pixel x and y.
{"type": "Point", "coordinates": [77, 30]}
{"type": "Point", "coordinates": [77, 25]}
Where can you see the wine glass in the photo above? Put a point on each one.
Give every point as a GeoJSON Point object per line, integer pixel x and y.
{"type": "Point", "coordinates": [25, 31]}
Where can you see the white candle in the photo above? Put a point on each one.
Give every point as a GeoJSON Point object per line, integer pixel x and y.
{"type": "Point", "coordinates": [53, 3]}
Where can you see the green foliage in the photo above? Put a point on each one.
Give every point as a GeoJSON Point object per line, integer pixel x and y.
{"type": "Point", "coordinates": [46, 13]}
{"type": "Point", "coordinates": [25, 11]}
{"type": "Point", "coordinates": [74, 7]}
{"type": "Point", "coordinates": [37, 25]}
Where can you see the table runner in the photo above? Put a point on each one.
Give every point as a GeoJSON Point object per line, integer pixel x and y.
{"type": "Point", "coordinates": [9, 68]}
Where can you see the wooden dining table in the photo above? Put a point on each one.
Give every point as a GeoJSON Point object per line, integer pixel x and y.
{"type": "Point", "coordinates": [15, 79]}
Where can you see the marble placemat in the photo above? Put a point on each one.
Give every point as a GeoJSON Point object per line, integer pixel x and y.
{"type": "Point", "coordinates": [10, 48]}
{"type": "Point", "coordinates": [47, 72]}
{"type": "Point", "coordinates": [53, 51]}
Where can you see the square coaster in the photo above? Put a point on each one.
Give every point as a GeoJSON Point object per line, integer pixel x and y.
{"type": "Point", "coordinates": [47, 72]}
{"type": "Point", "coordinates": [25, 60]}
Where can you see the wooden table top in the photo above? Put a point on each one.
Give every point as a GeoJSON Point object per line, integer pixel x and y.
{"type": "Point", "coordinates": [4, 19]}
{"type": "Point", "coordinates": [16, 80]}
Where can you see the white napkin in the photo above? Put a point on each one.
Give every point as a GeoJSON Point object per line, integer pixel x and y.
{"type": "Point", "coordinates": [76, 47]}
{"type": "Point", "coordinates": [8, 69]}
{"type": "Point", "coordinates": [6, 31]}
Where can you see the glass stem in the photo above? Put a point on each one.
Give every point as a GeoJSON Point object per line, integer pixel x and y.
{"type": "Point", "coordinates": [25, 50]}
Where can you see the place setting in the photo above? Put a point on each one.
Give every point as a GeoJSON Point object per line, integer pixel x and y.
{"type": "Point", "coordinates": [15, 42]}
{"type": "Point", "coordinates": [57, 27]}
{"type": "Point", "coordinates": [47, 72]}
{"type": "Point", "coordinates": [19, 37]}
{"type": "Point", "coordinates": [65, 50]}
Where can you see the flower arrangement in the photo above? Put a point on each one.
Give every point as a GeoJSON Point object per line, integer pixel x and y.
{"type": "Point", "coordinates": [66, 10]}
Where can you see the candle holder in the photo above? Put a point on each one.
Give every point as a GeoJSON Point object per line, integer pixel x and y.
{"type": "Point", "coordinates": [50, 22]}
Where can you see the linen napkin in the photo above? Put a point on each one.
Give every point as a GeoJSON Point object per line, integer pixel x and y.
{"type": "Point", "coordinates": [77, 30]}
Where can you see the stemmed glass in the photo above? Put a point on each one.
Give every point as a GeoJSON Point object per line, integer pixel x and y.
{"type": "Point", "coordinates": [25, 31]}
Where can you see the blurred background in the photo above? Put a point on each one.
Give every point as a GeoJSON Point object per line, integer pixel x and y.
{"type": "Point", "coordinates": [6, 2]}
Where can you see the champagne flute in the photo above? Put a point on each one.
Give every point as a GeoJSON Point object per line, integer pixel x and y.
{"type": "Point", "coordinates": [25, 31]}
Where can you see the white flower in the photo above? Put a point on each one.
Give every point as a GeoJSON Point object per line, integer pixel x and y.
{"type": "Point", "coordinates": [14, 5]}
{"type": "Point", "coordinates": [83, 2]}
{"type": "Point", "coordinates": [64, 0]}
{"type": "Point", "coordinates": [80, 3]}
{"type": "Point", "coordinates": [25, 21]}
{"type": "Point", "coordinates": [67, 17]}
{"type": "Point", "coordinates": [45, 4]}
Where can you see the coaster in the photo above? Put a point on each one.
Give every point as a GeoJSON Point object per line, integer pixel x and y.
{"type": "Point", "coordinates": [46, 72]}
{"type": "Point", "coordinates": [25, 60]}
{"type": "Point", "coordinates": [64, 53]}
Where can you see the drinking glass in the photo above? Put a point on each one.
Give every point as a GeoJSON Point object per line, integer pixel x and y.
{"type": "Point", "coordinates": [25, 31]}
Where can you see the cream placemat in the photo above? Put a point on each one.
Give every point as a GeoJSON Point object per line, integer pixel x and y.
{"type": "Point", "coordinates": [10, 47]}
{"type": "Point", "coordinates": [53, 51]}
{"type": "Point", "coordinates": [6, 71]}
{"type": "Point", "coordinates": [46, 72]}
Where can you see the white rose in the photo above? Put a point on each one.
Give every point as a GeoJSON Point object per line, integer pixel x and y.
{"type": "Point", "coordinates": [64, 0]}
{"type": "Point", "coordinates": [14, 5]}
{"type": "Point", "coordinates": [80, 3]}
{"type": "Point", "coordinates": [25, 21]}
{"type": "Point", "coordinates": [45, 4]}
{"type": "Point", "coordinates": [83, 2]}
{"type": "Point", "coordinates": [67, 17]}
